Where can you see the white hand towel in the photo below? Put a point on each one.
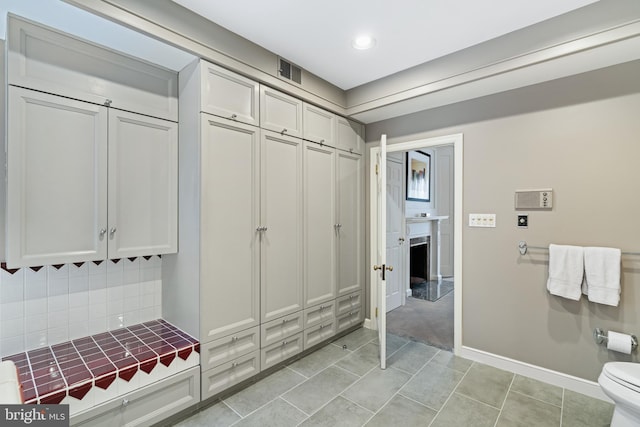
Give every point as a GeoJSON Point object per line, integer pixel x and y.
{"type": "Point", "coordinates": [602, 275]}
{"type": "Point", "coordinates": [566, 268]}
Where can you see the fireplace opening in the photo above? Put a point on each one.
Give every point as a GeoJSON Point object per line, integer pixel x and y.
{"type": "Point", "coordinates": [419, 255]}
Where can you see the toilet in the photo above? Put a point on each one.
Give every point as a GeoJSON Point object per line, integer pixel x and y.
{"type": "Point", "coordinates": [621, 382]}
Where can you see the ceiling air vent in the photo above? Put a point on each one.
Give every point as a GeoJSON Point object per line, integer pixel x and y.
{"type": "Point", "coordinates": [289, 71]}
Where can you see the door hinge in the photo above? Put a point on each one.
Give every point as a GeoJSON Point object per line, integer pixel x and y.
{"type": "Point", "coordinates": [377, 169]}
{"type": "Point", "coordinates": [376, 311]}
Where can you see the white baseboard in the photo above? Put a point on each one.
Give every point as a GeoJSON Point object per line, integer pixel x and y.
{"type": "Point", "coordinates": [548, 376]}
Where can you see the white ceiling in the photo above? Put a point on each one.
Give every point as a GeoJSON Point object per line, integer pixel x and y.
{"type": "Point", "coordinates": [317, 35]}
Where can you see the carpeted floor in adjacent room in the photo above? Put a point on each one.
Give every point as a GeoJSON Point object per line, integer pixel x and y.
{"type": "Point", "coordinates": [424, 321]}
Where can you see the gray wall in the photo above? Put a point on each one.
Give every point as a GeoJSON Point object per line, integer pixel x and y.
{"type": "Point", "coordinates": [580, 136]}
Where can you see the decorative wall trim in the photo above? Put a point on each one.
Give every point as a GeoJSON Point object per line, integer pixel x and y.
{"type": "Point", "coordinates": [579, 385]}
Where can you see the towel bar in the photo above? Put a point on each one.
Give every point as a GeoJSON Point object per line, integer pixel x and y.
{"type": "Point", "coordinates": [523, 248]}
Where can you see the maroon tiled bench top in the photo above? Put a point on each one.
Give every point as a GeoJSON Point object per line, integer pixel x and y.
{"type": "Point", "coordinates": [48, 374]}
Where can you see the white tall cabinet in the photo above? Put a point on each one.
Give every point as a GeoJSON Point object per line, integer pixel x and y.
{"type": "Point", "coordinates": [270, 238]}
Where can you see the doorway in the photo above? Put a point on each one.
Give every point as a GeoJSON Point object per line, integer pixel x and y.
{"type": "Point", "coordinates": [454, 264]}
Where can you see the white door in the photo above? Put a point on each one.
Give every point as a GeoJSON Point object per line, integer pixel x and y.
{"type": "Point", "coordinates": [319, 223]}
{"type": "Point", "coordinates": [281, 225]}
{"type": "Point", "coordinates": [143, 185]}
{"type": "Point", "coordinates": [381, 261]}
{"type": "Point", "coordinates": [229, 222]}
{"type": "Point", "coordinates": [57, 179]}
{"type": "Point", "coordinates": [395, 234]}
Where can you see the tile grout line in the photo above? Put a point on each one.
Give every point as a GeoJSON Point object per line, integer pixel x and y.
{"type": "Point", "coordinates": [452, 393]}
{"type": "Point", "coordinates": [412, 376]}
{"type": "Point", "coordinates": [513, 378]}
{"type": "Point", "coordinates": [562, 407]}
{"type": "Point", "coordinates": [536, 399]}
{"type": "Point", "coordinates": [270, 401]}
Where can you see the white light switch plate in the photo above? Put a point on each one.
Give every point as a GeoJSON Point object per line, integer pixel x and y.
{"type": "Point", "coordinates": [482, 220]}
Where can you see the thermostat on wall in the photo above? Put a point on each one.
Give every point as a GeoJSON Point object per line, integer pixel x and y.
{"type": "Point", "coordinates": [534, 199]}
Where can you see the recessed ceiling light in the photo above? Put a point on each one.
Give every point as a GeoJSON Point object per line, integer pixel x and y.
{"type": "Point", "coordinates": [363, 42]}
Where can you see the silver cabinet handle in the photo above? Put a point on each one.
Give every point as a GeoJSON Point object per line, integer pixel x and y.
{"type": "Point", "coordinates": [234, 116]}
{"type": "Point", "coordinates": [112, 232]}
{"type": "Point", "coordinates": [259, 229]}
{"type": "Point", "coordinates": [103, 231]}
{"type": "Point", "coordinates": [125, 403]}
{"type": "Point", "coordinates": [107, 102]}
{"type": "Point", "coordinates": [283, 131]}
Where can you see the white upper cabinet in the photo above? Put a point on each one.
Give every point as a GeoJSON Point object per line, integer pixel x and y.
{"type": "Point", "coordinates": [350, 135]}
{"type": "Point", "coordinates": [319, 125]}
{"type": "Point", "coordinates": [51, 61]}
{"type": "Point", "coordinates": [143, 180]}
{"type": "Point", "coordinates": [280, 112]}
{"type": "Point", "coordinates": [57, 180]}
{"type": "Point", "coordinates": [229, 95]}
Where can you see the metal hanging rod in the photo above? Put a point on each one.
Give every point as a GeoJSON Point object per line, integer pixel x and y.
{"type": "Point", "coordinates": [523, 247]}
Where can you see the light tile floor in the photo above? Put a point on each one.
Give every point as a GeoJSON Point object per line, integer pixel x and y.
{"type": "Point", "coordinates": [422, 386]}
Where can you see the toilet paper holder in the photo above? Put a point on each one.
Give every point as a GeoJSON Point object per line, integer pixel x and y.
{"type": "Point", "coordinates": [601, 337]}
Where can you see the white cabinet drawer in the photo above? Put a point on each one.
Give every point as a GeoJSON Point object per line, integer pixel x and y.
{"type": "Point", "coordinates": [348, 302]}
{"type": "Point", "coordinates": [319, 333]}
{"type": "Point", "coordinates": [280, 113]}
{"type": "Point", "coordinates": [229, 95]}
{"type": "Point", "coordinates": [319, 313]}
{"type": "Point", "coordinates": [228, 374]}
{"type": "Point", "coordinates": [277, 330]}
{"type": "Point", "coordinates": [228, 348]}
{"type": "Point", "coordinates": [148, 405]}
{"type": "Point", "coordinates": [349, 319]}
{"type": "Point", "coordinates": [280, 351]}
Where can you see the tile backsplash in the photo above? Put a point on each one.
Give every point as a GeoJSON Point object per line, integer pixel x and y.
{"type": "Point", "coordinates": [52, 304]}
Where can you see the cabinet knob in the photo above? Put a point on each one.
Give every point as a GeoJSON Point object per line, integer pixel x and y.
{"type": "Point", "coordinates": [112, 232]}
{"type": "Point", "coordinates": [234, 116]}
{"type": "Point", "coordinates": [321, 142]}
{"type": "Point", "coordinates": [125, 403]}
{"type": "Point", "coordinates": [283, 131]}
{"type": "Point", "coordinates": [285, 343]}
{"type": "Point", "coordinates": [107, 102]}
{"type": "Point", "coordinates": [234, 364]}
{"type": "Point", "coordinates": [103, 231]}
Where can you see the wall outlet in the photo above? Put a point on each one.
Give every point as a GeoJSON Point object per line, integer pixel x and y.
{"type": "Point", "coordinates": [482, 220]}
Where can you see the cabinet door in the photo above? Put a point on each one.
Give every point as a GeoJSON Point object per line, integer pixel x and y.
{"type": "Point", "coordinates": [281, 218]}
{"type": "Point", "coordinates": [319, 125]}
{"type": "Point", "coordinates": [350, 251]}
{"type": "Point", "coordinates": [143, 185]}
{"type": "Point", "coordinates": [229, 95]}
{"type": "Point", "coordinates": [57, 180]}
{"type": "Point", "coordinates": [280, 113]}
{"type": "Point", "coordinates": [319, 224]}
{"type": "Point", "coordinates": [349, 136]}
{"type": "Point", "coordinates": [229, 240]}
